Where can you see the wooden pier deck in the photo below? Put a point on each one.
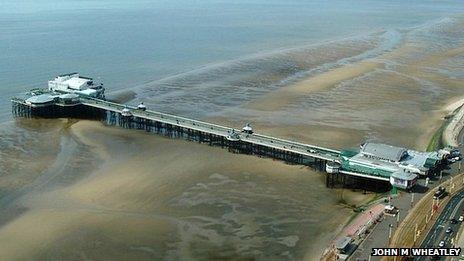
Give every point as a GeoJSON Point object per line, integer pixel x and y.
{"type": "Point", "coordinates": [218, 130]}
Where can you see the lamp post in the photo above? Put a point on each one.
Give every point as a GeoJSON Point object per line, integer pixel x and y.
{"type": "Point", "coordinates": [433, 204]}
{"type": "Point", "coordinates": [397, 218]}
{"type": "Point", "coordinates": [389, 233]}
{"type": "Point", "coordinates": [371, 218]}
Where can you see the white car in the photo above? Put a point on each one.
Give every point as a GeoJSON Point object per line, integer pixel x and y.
{"type": "Point", "coordinates": [461, 218]}
{"type": "Point", "coordinates": [449, 230]}
{"type": "Point", "coordinates": [441, 244]}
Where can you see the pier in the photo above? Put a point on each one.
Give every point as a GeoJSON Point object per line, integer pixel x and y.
{"type": "Point", "coordinates": [374, 164]}
{"type": "Point", "coordinates": [173, 126]}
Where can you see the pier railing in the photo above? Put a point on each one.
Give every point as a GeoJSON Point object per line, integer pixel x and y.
{"type": "Point", "coordinates": [259, 139]}
{"type": "Point", "coordinates": [235, 140]}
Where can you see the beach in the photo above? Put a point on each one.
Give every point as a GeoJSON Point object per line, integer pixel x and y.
{"type": "Point", "coordinates": [197, 205]}
{"type": "Point", "coordinates": [77, 189]}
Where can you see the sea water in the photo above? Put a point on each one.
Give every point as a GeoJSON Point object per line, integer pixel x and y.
{"type": "Point", "coordinates": [130, 43]}
{"type": "Point", "coordinates": [209, 59]}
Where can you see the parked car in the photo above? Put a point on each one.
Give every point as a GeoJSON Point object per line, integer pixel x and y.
{"type": "Point", "coordinates": [461, 218]}
{"type": "Point", "coordinates": [441, 244]}
{"type": "Point", "coordinates": [390, 210]}
{"type": "Point", "coordinates": [441, 191]}
{"type": "Point", "coordinates": [453, 221]}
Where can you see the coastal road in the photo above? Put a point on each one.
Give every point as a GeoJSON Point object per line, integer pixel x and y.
{"type": "Point", "coordinates": [379, 235]}
{"type": "Point", "coordinates": [454, 209]}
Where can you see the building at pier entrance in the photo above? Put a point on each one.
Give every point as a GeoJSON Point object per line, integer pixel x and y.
{"type": "Point", "coordinates": [400, 165]}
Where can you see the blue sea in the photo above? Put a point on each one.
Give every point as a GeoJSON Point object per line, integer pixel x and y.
{"type": "Point", "coordinates": [127, 44]}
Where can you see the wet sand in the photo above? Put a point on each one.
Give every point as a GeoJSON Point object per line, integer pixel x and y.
{"type": "Point", "coordinates": [181, 203]}
{"type": "Point", "coordinates": [283, 97]}
{"type": "Point", "coordinates": [85, 191]}
{"type": "Point", "coordinates": [367, 97]}
{"type": "Point", "coordinates": [17, 157]}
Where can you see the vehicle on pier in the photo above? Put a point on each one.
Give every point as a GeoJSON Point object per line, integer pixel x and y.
{"type": "Point", "coordinates": [126, 112]}
{"type": "Point", "coordinates": [141, 107]}
{"type": "Point", "coordinates": [233, 136]}
{"type": "Point", "coordinates": [247, 129]}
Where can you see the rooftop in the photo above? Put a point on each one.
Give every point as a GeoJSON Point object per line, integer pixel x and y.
{"type": "Point", "coordinates": [342, 243]}
{"type": "Point", "coordinates": [376, 156]}
{"type": "Point", "coordinates": [76, 82]}
{"type": "Point", "coordinates": [87, 92]}
{"type": "Point", "coordinates": [404, 175]}
{"type": "Point", "coordinates": [69, 96]}
{"type": "Point", "coordinates": [383, 151]}
{"type": "Point", "coordinates": [67, 74]}
{"type": "Point", "coordinates": [374, 163]}
{"type": "Point", "coordinates": [417, 158]}
{"type": "Point", "coordinates": [40, 99]}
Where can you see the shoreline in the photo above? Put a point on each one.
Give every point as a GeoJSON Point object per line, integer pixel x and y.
{"type": "Point", "coordinates": [446, 134]}
{"type": "Point", "coordinates": [455, 125]}
{"type": "Point", "coordinates": [450, 128]}
{"type": "Point", "coordinates": [372, 109]}
{"type": "Point", "coordinates": [328, 252]}
{"type": "Point", "coordinates": [298, 88]}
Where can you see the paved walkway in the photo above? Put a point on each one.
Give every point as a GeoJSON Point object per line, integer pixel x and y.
{"type": "Point", "coordinates": [379, 235]}
{"type": "Point", "coordinates": [363, 221]}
